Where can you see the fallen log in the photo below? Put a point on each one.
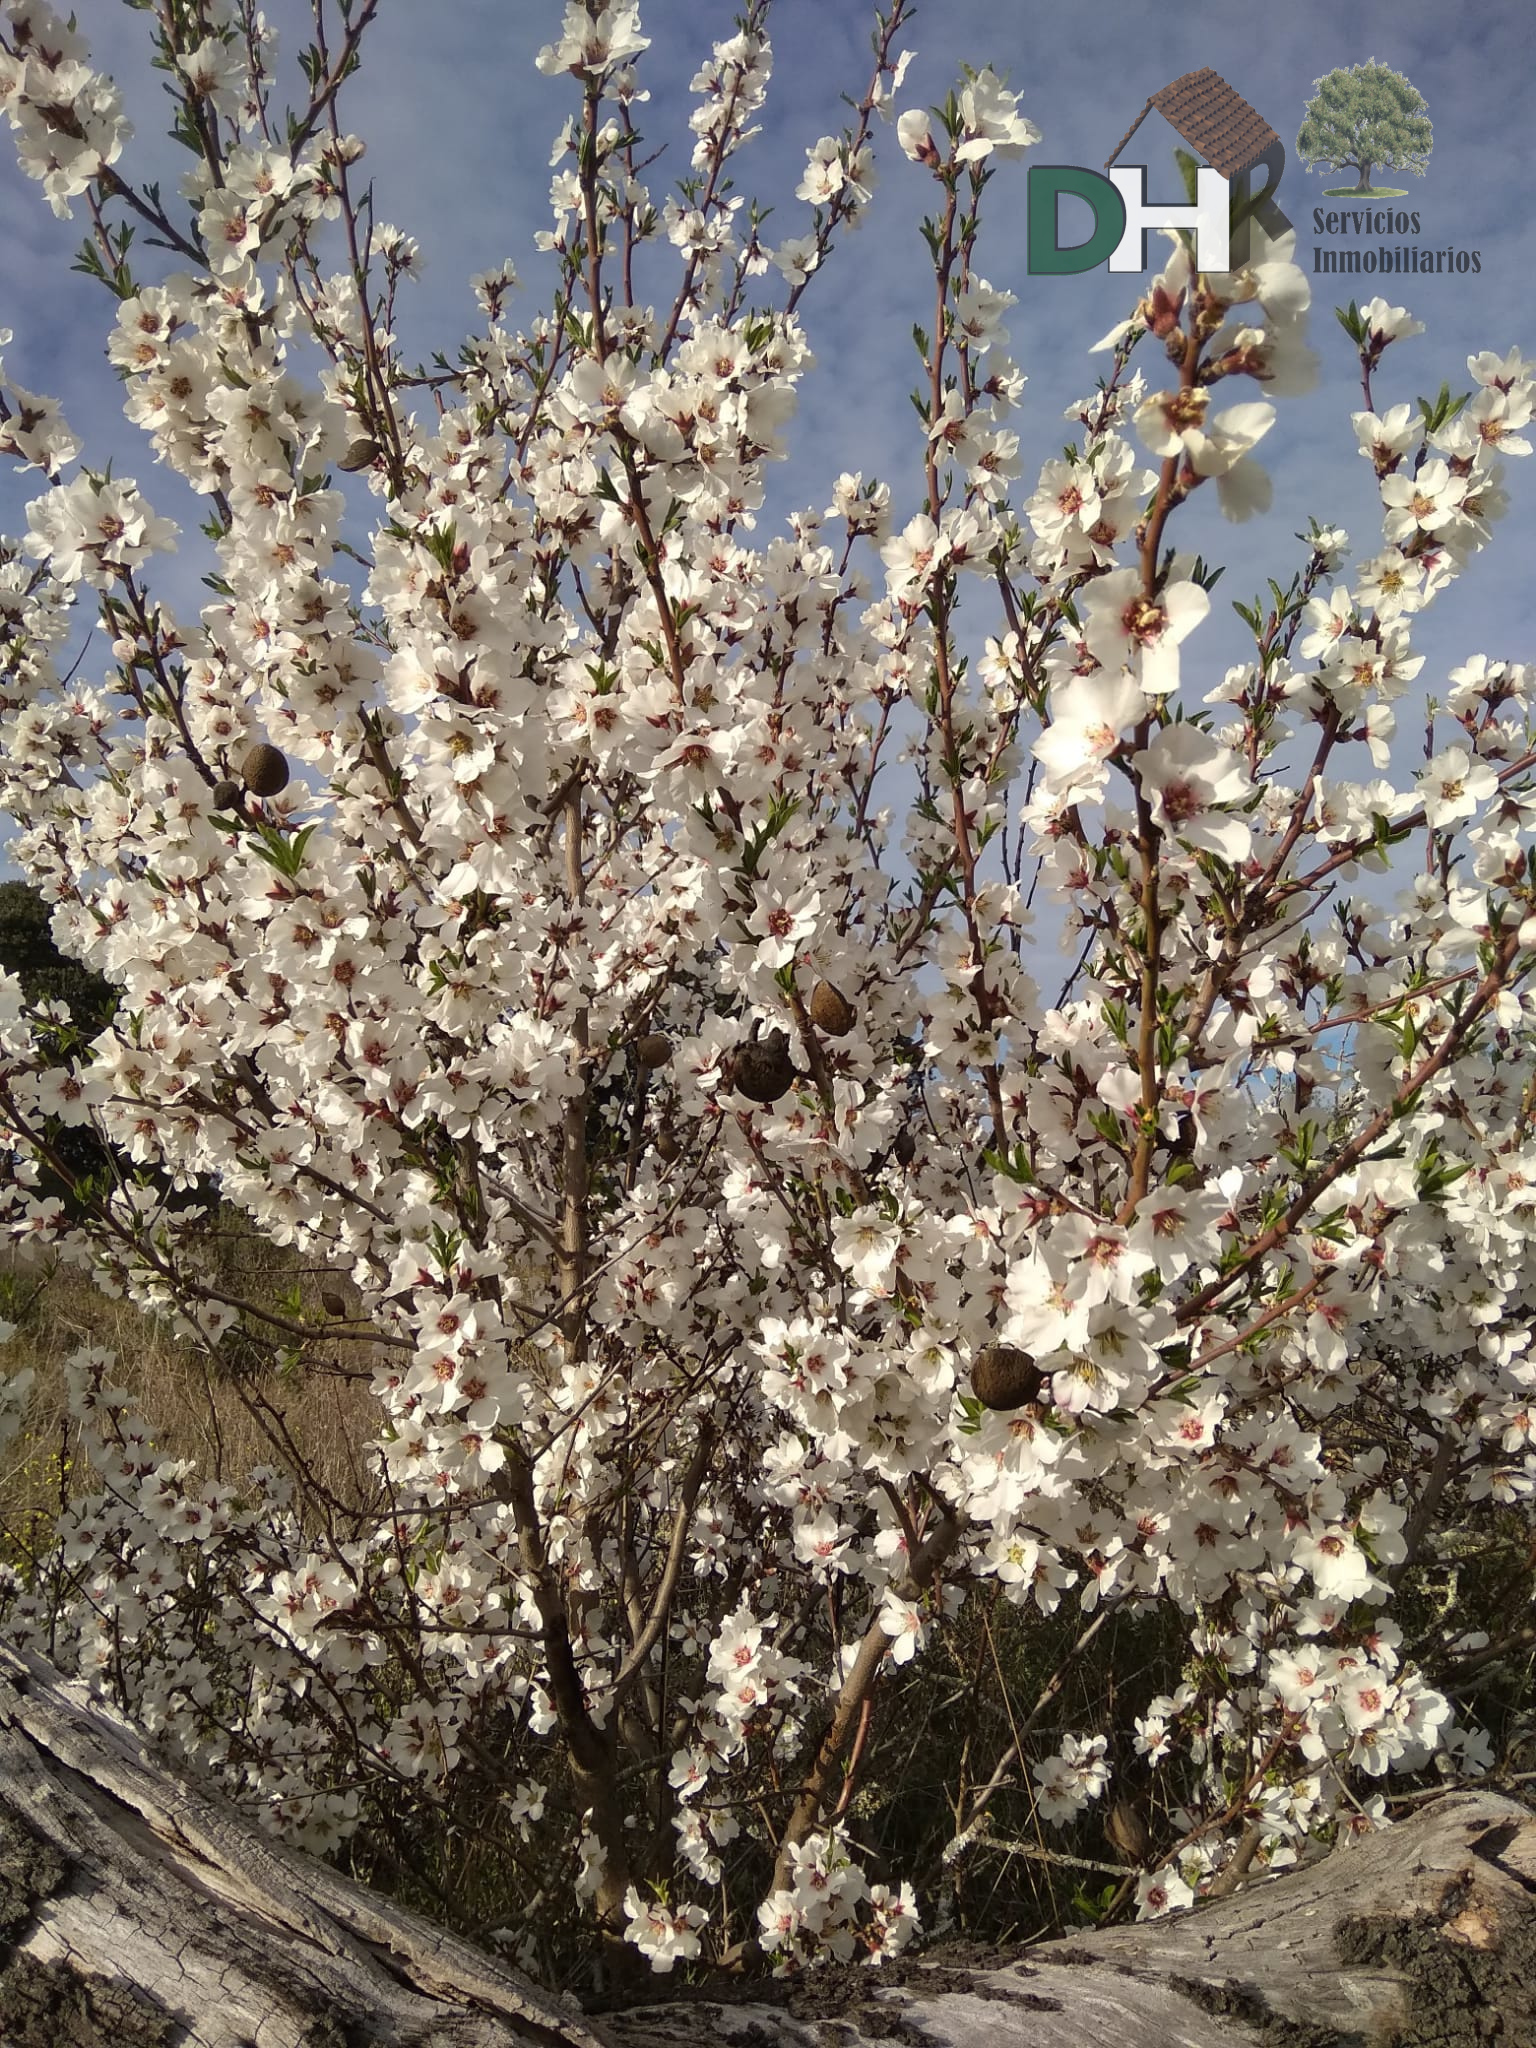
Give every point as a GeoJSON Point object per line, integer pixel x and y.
{"type": "Point", "coordinates": [140, 1910]}
{"type": "Point", "coordinates": [1420, 1936]}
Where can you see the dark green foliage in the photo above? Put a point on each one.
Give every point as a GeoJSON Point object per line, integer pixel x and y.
{"type": "Point", "coordinates": [81, 1164]}
{"type": "Point", "coordinates": [27, 950]}
{"type": "Point", "coordinates": [1366, 116]}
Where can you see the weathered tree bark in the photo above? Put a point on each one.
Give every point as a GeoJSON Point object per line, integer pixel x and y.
{"type": "Point", "coordinates": [1422, 1936]}
{"type": "Point", "coordinates": [140, 1911]}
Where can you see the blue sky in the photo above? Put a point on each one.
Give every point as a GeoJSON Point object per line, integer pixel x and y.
{"type": "Point", "coordinates": [459, 125]}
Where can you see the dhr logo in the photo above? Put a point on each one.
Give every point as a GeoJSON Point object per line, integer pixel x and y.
{"type": "Point", "coordinates": [1212, 119]}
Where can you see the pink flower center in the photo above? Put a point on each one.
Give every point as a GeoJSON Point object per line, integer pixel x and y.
{"type": "Point", "coordinates": [1181, 802]}
{"type": "Point", "coordinates": [1143, 621]}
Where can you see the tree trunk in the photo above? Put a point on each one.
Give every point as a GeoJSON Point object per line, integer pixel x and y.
{"type": "Point", "coordinates": [140, 1911]}
{"type": "Point", "coordinates": [1421, 1936]}
{"type": "Point", "coordinates": [1365, 178]}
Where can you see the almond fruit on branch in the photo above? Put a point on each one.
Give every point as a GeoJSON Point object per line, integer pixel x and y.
{"type": "Point", "coordinates": [1004, 1378]}
{"type": "Point", "coordinates": [831, 1010]}
{"type": "Point", "coordinates": [653, 1049]}
{"type": "Point", "coordinates": [264, 770]}
{"type": "Point", "coordinates": [761, 1069]}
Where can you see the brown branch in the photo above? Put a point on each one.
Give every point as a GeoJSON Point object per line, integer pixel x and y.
{"type": "Point", "coordinates": [857, 1688]}
{"type": "Point", "coordinates": [661, 1606]}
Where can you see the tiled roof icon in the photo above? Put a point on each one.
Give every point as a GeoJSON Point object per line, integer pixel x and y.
{"type": "Point", "coordinates": [1212, 119]}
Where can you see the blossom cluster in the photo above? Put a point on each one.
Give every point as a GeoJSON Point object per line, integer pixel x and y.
{"type": "Point", "coordinates": [603, 940]}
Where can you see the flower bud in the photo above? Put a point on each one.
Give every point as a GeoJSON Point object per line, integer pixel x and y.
{"type": "Point", "coordinates": [916, 137]}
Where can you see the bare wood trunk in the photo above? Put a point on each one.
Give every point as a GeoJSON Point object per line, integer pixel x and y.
{"type": "Point", "coordinates": [139, 1911]}
{"type": "Point", "coordinates": [1422, 1936]}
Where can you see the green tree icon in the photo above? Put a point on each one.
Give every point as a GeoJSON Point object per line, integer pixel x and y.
{"type": "Point", "coordinates": [1367, 116]}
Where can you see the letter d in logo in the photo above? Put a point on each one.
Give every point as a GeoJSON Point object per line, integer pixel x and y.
{"type": "Point", "coordinates": [1046, 184]}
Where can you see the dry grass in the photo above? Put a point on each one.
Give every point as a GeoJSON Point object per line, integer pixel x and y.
{"type": "Point", "coordinates": [316, 1421]}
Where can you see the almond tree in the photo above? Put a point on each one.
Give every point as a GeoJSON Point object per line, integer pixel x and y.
{"type": "Point", "coordinates": [600, 939]}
